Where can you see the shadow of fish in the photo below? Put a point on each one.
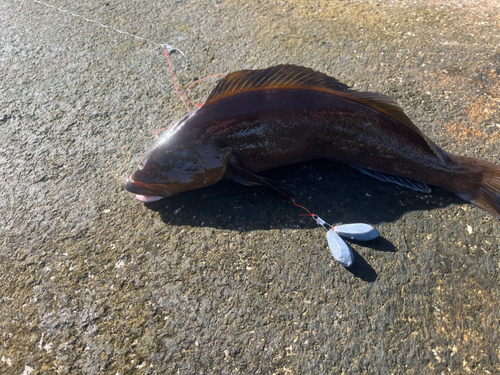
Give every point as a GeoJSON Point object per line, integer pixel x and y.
{"type": "Point", "coordinates": [255, 120]}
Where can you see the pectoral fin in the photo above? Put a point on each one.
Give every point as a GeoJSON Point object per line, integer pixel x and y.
{"type": "Point", "coordinates": [247, 178]}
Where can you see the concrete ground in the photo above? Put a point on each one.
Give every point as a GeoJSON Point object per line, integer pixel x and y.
{"type": "Point", "coordinates": [231, 279]}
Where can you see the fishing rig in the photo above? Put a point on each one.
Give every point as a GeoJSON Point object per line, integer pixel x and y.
{"type": "Point", "coordinates": [340, 250]}
{"type": "Point", "coordinates": [334, 234]}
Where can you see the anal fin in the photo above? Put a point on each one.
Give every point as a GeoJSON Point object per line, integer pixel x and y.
{"type": "Point", "coordinates": [407, 183]}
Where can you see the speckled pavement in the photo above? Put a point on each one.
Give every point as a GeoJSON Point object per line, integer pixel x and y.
{"type": "Point", "coordinates": [231, 279]}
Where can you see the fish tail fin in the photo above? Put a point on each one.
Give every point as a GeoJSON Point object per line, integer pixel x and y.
{"type": "Point", "coordinates": [478, 183]}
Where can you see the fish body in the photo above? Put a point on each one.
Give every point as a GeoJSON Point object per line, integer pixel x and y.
{"type": "Point", "coordinates": [262, 119]}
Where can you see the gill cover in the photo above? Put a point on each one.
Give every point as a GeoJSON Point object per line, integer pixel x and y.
{"type": "Point", "coordinates": [164, 171]}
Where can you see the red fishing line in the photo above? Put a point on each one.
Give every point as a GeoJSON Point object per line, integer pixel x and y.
{"type": "Point", "coordinates": [176, 89]}
{"type": "Point", "coordinates": [298, 205]}
{"type": "Point", "coordinates": [173, 80]}
{"type": "Point", "coordinates": [185, 92]}
{"type": "Point", "coordinates": [159, 130]}
{"type": "Point", "coordinates": [315, 217]}
{"type": "Point", "coordinates": [194, 83]}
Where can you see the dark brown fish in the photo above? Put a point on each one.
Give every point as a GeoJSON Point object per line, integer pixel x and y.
{"type": "Point", "coordinates": [256, 120]}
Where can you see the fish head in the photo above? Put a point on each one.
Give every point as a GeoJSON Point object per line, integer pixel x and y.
{"type": "Point", "coordinates": [169, 170]}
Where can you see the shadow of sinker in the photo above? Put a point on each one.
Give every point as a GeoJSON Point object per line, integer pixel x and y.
{"type": "Point", "coordinates": [335, 192]}
{"type": "Point", "coordinates": [362, 269]}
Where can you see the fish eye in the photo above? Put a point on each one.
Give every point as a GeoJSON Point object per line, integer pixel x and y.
{"type": "Point", "coordinates": [166, 163]}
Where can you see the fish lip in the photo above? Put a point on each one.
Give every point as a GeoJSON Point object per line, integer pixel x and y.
{"type": "Point", "coordinates": [147, 198]}
{"type": "Point", "coordinates": [145, 192]}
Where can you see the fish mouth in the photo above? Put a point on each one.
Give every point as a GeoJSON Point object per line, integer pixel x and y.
{"type": "Point", "coordinates": [145, 193]}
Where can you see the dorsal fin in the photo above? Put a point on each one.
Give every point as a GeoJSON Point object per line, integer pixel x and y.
{"type": "Point", "coordinates": [298, 77]}
{"type": "Point", "coordinates": [275, 77]}
{"type": "Point", "coordinates": [391, 108]}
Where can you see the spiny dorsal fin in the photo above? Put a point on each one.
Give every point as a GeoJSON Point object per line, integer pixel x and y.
{"type": "Point", "coordinates": [275, 77]}
{"type": "Point", "coordinates": [298, 77]}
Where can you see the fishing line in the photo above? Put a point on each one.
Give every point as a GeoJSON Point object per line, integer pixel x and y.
{"type": "Point", "coordinates": [185, 92]}
{"type": "Point", "coordinates": [173, 80]}
{"type": "Point", "coordinates": [298, 205]}
{"type": "Point", "coordinates": [315, 217]}
{"type": "Point", "coordinates": [168, 47]}
{"type": "Point", "coordinates": [194, 83]}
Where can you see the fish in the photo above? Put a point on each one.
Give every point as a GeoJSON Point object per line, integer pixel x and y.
{"type": "Point", "coordinates": [256, 120]}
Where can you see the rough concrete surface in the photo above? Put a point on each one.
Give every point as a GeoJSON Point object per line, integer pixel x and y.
{"type": "Point", "coordinates": [231, 279]}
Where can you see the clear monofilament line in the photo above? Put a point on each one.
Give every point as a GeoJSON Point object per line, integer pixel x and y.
{"type": "Point", "coordinates": [168, 47]}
